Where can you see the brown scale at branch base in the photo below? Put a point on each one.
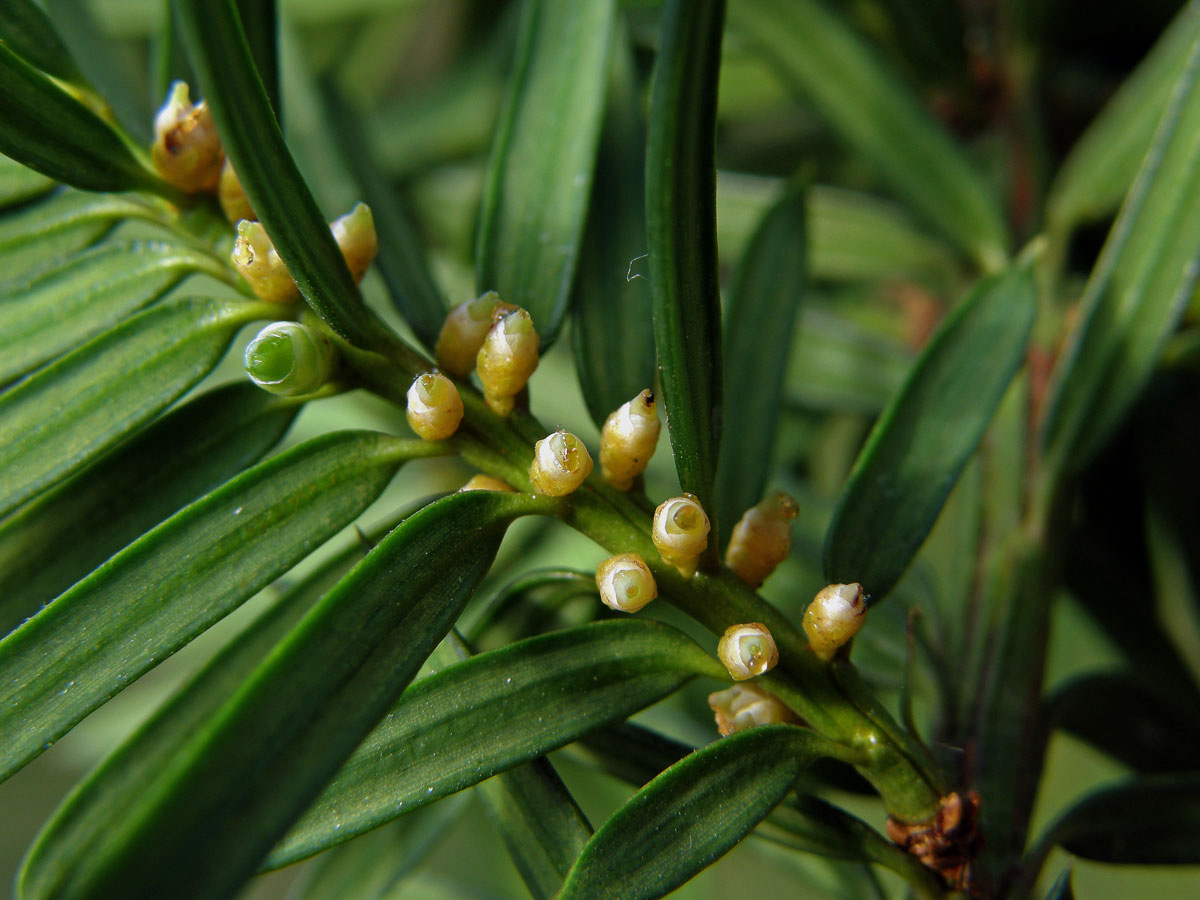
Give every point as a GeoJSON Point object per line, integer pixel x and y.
{"type": "Point", "coordinates": [949, 843]}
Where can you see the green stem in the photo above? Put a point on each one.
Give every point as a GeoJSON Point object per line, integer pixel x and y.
{"type": "Point", "coordinates": [830, 697]}
{"type": "Point", "coordinates": [1010, 730]}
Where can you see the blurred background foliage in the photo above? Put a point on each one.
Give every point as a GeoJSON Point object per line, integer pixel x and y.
{"type": "Point", "coordinates": [426, 78]}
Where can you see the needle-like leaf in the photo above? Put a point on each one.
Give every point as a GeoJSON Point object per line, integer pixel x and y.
{"type": "Point", "coordinates": [263, 756]}
{"type": "Point", "coordinates": [681, 231]}
{"type": "Point", "coordinates": [108, 388]}
{"type": "Point", "coordinates": [928, 432]}
{"type": "Point", "coordinates": [539, 174]}
{"type": "Point", "coordinates": [176, 581]}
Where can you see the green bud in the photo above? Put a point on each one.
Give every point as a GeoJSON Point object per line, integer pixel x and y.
{"type": "Point", "coordinates": [289, 359]}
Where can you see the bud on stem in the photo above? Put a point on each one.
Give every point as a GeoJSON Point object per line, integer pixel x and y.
{"type": "Point", "coordinates": [485, 483]}
{"type": "Point", "coordinates": [356, 238]}
{"type": "Point", "coordinates": [833, 618]}
{"type": "Point", "coordinates": [255, 257]}
{"type": "Point", "coordinates": [625, 582]}
{"type": "Point", "coordinates": [187, 151]}
{"type": "Point", "coordinates": [747, 650]}
{"type": "Point", "coordinates": [561, 463]}
{"type": "Point", "coordinates": [747, 705]}
{"type": "Point", "coordinates": [507, 358]}
{"type": "Point", "coordinates": [681, 533]}
{"type": "Point", "coordinates": [462, 334]}
{"type": "Point", "coordinates": [761, 539]}
{"type": "Point", "coordinates": [289, 358]}
{"type": "Point", "coordinates": [234, 202]}
{"type": "Point", "coordinates": [628, 439]}
{"type": "Point", "coordinates": [434, 407]}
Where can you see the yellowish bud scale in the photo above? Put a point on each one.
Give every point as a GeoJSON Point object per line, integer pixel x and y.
{"type": "Point", "coordinates": [561, 463]}
{"type": "Point", "coordinates": [761, 539]}
{"type": "Point", "coordinates": [628, 439]}
{"type": "Point", "coordinates": [463, 332]}
{"type": "Point", "coordinates": [356, 238]}
{"type": "Point", "coordinates": [435, 408]}
{"type": "Point", "coordinates": [747, 650]}
{"type": "Point", "coordinates": [626, 583]}
{"type": "Point", "coordinates": [507, 358]}
{"type": "Point", "coordinates": [834, 617]}
{"type": "Point", "coordinates": [681, 533]}
{"type": "Point", "coordinates": [187, 150]}
{"type": "Point", "coordinates": [255, 257]}
{"type": "Point", "coordinates": [744, 706]}
{"type": "Point", "coordinates": [234, 202]}
{"type": "Point", "coordinates": [485, 483]}
{"type": "Point", "coordinates": [256, 260]}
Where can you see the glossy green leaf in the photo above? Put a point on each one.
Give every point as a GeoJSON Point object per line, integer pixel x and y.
{"type": "Point", "coordinates": [55, 227]}
{"type": "Point", "coordinates": [260, 23]}
{"type": "Point", "coordinates": [1104, 161]}
{"type": "Point", "coordinates": [1146, 821]}
{"type": "Point", "coordinates": [1130, 719]}
{"type": "Point", "coordinates": [70, 530]}
{"type": "Point", "coordinates": [87, 294]}
{"type": "Point", "coordinates": [681, 234]}
{"type": "Point", "coordinates": [691, 814]}
{"type": "Point", "coordinates": [108, 388]}
{"type": "Point", "coordinates": [873, 112]}
{"type": "Point", "coordinates": [47, 129]}
{"type": "Point", "coordinates": [494, 711]}
{"type": "Point", "coordinates": [539, 172]}
{"type": "Point", "coordinates": [102, 801]}
{"type": "Point", "coordinates": [539, 821]}
{"type": "Point", "coordinates": [47, 229]}
{"type": "Point", "coordinates": [614, 348]}
{"type": "Point", "coordinates": [760, 316]}
{"type": "Point", "coordinates": [637, 754]}
{"type": "Point", "coordinates": [262, 758]}
{"type": "Point", "coordinates": [1137, 291]}
{"type": "Point", "coordinates": [177, 580]}
{"type": "Point", "coordinates": [928, 432]}
{"type": "Point", "coordinates": [802, 821]}
{"type": "Point", "coordinates": [19, 183]}
{"type": "Point", "coordinates": [402, 254]}
{"type": "Point", "coordinates": [540, 167]}
{"type": "Point", "coordinates": [841, 365]}
{"type": "Point", "coordinates": [29, 33]}
{"type": "Point", "coordinates": [374, 864]}
{"type": "Point", "coordinates": [273, 184]}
